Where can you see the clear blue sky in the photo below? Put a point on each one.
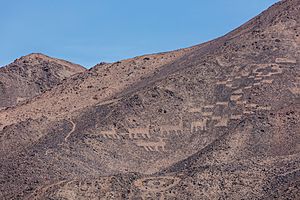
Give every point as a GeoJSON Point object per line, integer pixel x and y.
{"type": "Point", "coordinates": [91, 31]}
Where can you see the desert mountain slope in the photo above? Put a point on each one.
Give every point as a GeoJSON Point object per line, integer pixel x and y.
{"type": "Point", "coordinates": [32, 75]}
{"type": "Point", "coordinates": [94, 87]}
{"type": "Point", "coordinates": [89, 88]}
{"type": "Point", "coordinates": [216, 121]}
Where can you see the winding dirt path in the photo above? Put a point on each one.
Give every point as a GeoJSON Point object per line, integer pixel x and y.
{"type": "Point", "coordinates": [73, 129]}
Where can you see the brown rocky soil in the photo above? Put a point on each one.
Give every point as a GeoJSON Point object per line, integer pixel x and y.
{"type": "Point", "coordinates": [32, 75]}
{"type": "Point", "coordinates": [218, 120]}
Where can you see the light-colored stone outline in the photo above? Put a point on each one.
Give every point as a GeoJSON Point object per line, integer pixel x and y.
{"type": "Point", "coordinates": [134, 133]}
{"type": "Point", "coordinates": [169, 129]}
{"type": "Point", "coordinates": [109, 134]}
{"type": "Point", "coordinates": [152, 146]}
{"type": "Point", "coordinates": [285, 61]}
{"type": "Point", "coordinates": [199, 125]}
{"type": "Point", "coordinates": [72, 130]}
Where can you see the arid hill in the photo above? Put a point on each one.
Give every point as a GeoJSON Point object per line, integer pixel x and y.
{"type": "Point", "coordinates": [32, 75]}
{"type": "Point", "coordinates": [218, 120]}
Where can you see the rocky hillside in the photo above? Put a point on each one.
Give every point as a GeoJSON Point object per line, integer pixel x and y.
{"type": "Point", "coordinates": [218, 120]}
{"type": "Point", "coordinates": [32, 75]}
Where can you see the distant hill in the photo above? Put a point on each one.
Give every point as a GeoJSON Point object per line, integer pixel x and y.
{"type": "Point", "coordinates": [32, 75]}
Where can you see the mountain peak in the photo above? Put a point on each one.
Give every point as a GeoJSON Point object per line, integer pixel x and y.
{"type": "Point", "coordinates": [31, 75]}
{"type": "Point", "coordinates": [39, 58]}
{"type": "Point", "coordinates": [34, 57]}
